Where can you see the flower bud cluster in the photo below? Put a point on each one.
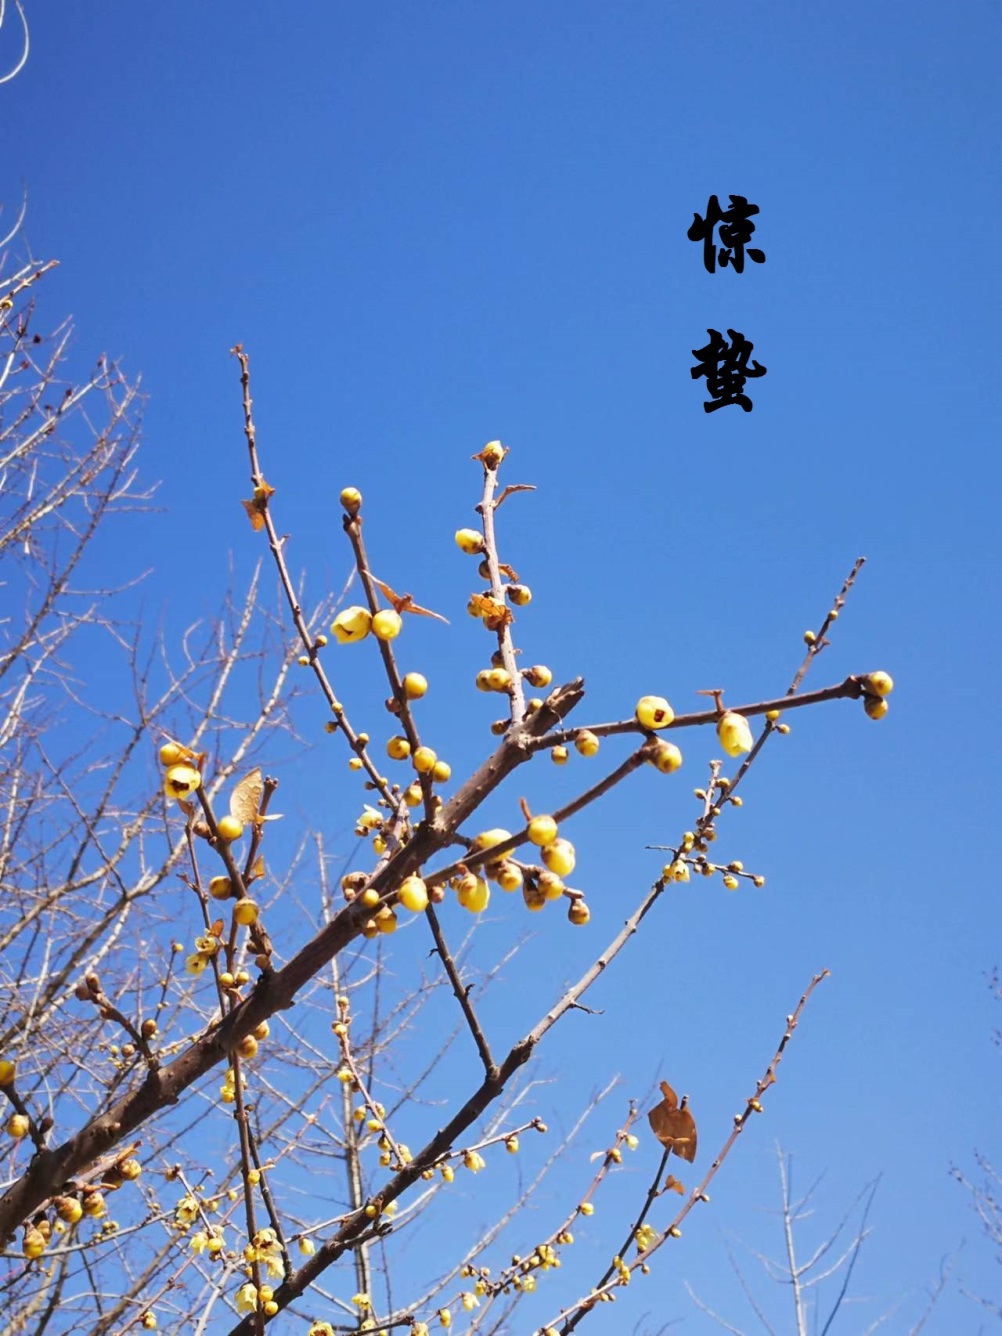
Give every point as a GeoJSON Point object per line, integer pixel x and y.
{"type": "Point", "coordinates": [182, 771]}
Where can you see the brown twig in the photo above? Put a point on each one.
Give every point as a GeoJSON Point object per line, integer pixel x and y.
{"type": "Point", "coordinates": [461, 993]}
{"type": "Point", "coordinates": [486, 508]}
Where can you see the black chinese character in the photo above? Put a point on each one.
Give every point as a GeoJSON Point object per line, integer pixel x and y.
{"type": "Point", "coordinates": [726, 369]}
{"type": "Point", "coordinates": [735, 233]}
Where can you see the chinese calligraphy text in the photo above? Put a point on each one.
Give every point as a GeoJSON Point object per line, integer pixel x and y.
{"type": "Point", "coordinates": [726, 369]}
{"type": "Point", "coordinates": [735, 233]}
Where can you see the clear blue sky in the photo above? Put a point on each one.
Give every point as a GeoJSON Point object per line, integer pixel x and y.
{"type": "Point", "coordinates": [434, 224]}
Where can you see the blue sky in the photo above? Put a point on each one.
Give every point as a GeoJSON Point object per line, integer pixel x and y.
{"type": "Point", "coordinates": [435, 224]}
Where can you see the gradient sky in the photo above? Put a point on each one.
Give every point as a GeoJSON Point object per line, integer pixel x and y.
{"type": "Point", "coordinates": [432, 224]}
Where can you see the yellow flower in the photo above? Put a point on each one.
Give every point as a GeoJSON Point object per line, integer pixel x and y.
{"type": "Point", "coordinates": [351, 624]}
{"type": "Point", "coordinates": [654, 712]}
{"type": "Point", "coordinates": [473, 1161]}
{"type": "Point", "coordinates": [734, 734]}
{"type": "Point", "coordinates": [181, 781]}
{"type": "Point", "coordinates": [246, 1298]}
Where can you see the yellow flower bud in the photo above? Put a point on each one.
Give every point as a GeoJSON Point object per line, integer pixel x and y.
{"type": "Point", "coordinates": [414, 685]}
{"type": "Point", "coordinates": [550, 885]}
{"type": "Point", "coordinates": [879, 684]}
{"type": "Point", "coordinates": [68, 1209]}
{"type": "Point", "coordinates": [34, 1244]}
{"type": "Point", "coordinates": [386, 624]}
{"type": "Point", "coordinates": [542, 830]}
{"type": "Point", "coordinates": [424, 760]}
{"type": "Point", "coordinates": [538, 676]}
{"type": "Point", "coordinates": [487, 839]}
{"type": "Point", "coordinates": [734, 733]}
{"type": "Point", "coordinates": [469, 541]}
{"type": "Point", "coordinates": [665, 756]}
{"type": "Point", "coordinates": [559, 857]}
{"type": "Point", "coordinates": [473, 893]}
{"type": "Point", "coordinates": [230, 828]}
{"type": "Point", "coordinates": [508, 876]}
{"type": "Point", "coordinates": [413, 894]}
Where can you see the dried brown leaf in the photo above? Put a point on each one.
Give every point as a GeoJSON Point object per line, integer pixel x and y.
{"type": "Point", "coordinates": [494, 614]}
{"type": "Point", "coordinates": [404, 602]}
{"type": "Point", "coordinates": [255, 513]}
{"type": "Point", "coordinates": [245, 800]}
{"type": "Point", "coordinates": [673, 1124]}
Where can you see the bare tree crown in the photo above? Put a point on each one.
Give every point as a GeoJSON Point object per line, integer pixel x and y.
{"type": "Point", "coordinates": [206, 1132]}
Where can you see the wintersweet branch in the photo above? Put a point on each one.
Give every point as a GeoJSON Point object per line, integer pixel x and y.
{"type": "Point", "coordinates": [570, 1317]}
